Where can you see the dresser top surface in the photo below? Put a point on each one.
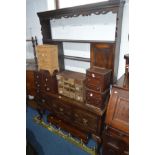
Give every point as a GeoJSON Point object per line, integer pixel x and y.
{"type": "Point", "coordinates": [98, 70]}
{"type": "Point", "coordinates": [72, 74]}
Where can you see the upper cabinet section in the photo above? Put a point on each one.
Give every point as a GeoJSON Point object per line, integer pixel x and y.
{"type": "Point", "coordinates": [96, 20]}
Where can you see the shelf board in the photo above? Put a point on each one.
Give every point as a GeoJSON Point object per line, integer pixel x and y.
{"type": "Point", "coordinates": [76, 41]}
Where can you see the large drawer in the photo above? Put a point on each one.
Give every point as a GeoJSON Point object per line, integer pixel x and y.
{"type": "Point", "coordinates": [85, 121]}
{"type": "Point", "coordinates": [114, 146]}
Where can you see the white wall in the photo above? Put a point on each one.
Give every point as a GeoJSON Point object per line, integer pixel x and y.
{"type": "Point", "coordinates": [94, 27]}
{"type": "Point", "coordinates": [124, 47]}
{"type": "Point", "coordinates": [33, 27]}
{"type": "Point", "coordinates": [78, 50]}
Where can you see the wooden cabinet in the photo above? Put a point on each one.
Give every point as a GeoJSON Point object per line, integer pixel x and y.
{"type": "Point", "coordinates": [78, 115]}
{"type": "Point", "coordinates": [116, 134]}
{"type": "Point", "coordinates": [98, 79]}
{"type": "Point", "coordinates": [97, 86]}
{"type": "Point", "coordinates": [30, 83]}
{"type": "Point", "coordinates": [113, 143]}
{"type": "Point", "coordinates": [118, 110]}
{"type": "Point", "coordinates": [103, 55]}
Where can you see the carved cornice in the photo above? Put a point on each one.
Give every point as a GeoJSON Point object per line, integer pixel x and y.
{"type": "Point", "coordinates": [84, 10]}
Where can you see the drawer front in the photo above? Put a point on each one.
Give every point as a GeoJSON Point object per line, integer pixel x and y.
{"type": "Point", "coordinates": [97, 99]}
{"type": "Point", "coordinates": [37, 76]}
{"type": "Point", "coordinates": [85, 121]}
{"type": "Point", "coordinates": [94, 76]}
{"type": "Point", "coordinates": [60, 109]}
{"type": "Point", "coordinates": [111, 146]}
{"type": "Point", "coordinates": [64, 112]}
{"type": "Point", "coordinates": [117, 134]}
{"type": "Point", "coordinates": [96, 103]}
{"type": "Point", "coordinates": [93, 95]}
{"type": "Point", "coordinates": [95, 87]}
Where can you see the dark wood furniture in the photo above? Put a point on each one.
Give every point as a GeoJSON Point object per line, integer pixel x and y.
{"type": "Point", "coordinates": [76, 117]}
{"type": "Point", "coordinates": [75, 114]}
{"type": "Point", "coordinates": [71, 84]}
{"type": "Point", "coordinates": [97, 86]}
{"type": "Point", "coordinates": [113, 47]}
{"type": "Point", "coordinates": [116, 134]}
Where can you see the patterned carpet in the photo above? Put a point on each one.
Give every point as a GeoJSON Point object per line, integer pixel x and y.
{"type": "Point", "coordinates": [48, 140]}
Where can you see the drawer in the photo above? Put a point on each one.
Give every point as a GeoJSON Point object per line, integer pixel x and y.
{"type": "Point", "coordinates": [68, 81]}
{"type": "Point", "coordinates": [98, 84]}
{"type": "Point", "coordinates": [64, 113]}
{"type": "Point", "coordinates": [96, 95]}
{"type": "Point", "coordinates": [95, 103]}
{"type": "Point", "coordinates": [117, 134]}
{"type": "Point", "coordinates": [93, 83]}
{"type": "Point", "coordinates": [85, 121]}
{"type": "Point", "coordinates": [93, 95]}
{"type": "Point", "coordinates": [111, 146]}
{"type": "Point", "coordinates": [79, 97]}
{"type": "Point", "coordinates": [94, 75]}
{"type": "Point", "coordinates": [37, 76]}
{"type": "Point", "coordinates": [96, 99]}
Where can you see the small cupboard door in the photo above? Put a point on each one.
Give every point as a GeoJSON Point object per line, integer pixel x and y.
{"type": "Point", "coordinates": [118, 110]}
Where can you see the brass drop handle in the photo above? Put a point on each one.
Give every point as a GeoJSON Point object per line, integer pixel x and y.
{"type": "Point", "coordinates": [47, 89]}
{"type": "Point", "coordinates": [43, 100]}
{"type": "Point", "coordinates": [85, 121]}
{"type": "Point", "coordinates": [91, 94]}
{"type": "Point", "coordinates": [61, 109]}
{"type": "Point", "coordinates": [76, 115]}
{"type": "Point", "coordinates": [93, 75]}
{"type": "Point", "coordinates": [115, 92]}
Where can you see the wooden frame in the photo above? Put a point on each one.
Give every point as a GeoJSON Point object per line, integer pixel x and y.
{"type": "Point", "coordinates": [115, 6]}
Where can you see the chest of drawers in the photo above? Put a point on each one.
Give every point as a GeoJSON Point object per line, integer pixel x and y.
{"type": "Point", "coordinates": [98, 79]}
{"type": "Point", "coordinates": [78, 115]}
{"type": "Point", "coordinates": [71, 84]}
{"type": "Point", "coordinates": [97, 86]}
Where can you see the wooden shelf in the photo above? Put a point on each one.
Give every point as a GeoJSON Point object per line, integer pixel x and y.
{"type": "Point", "coordinates": [76, 41]}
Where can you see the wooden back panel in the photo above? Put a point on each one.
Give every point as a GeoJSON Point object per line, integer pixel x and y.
{"type": "Point", "coordinates": [102, 55]}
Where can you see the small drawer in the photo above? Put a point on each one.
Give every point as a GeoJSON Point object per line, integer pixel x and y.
{"type": "Point", "coordinates": [93, 95]}
{"type": "Point", "coordinates": [68, 81]}
{"type": "Point", "coordinates": [93, 75]}
{"type": "Point", "coordinates": [97, 99]}
{"type": "Point", "coordinates": [93, 84]}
